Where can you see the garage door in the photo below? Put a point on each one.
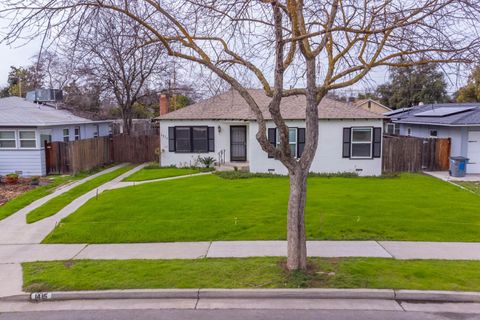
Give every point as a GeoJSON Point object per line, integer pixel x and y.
{"type": "Point", "coordinates": [473, 152]}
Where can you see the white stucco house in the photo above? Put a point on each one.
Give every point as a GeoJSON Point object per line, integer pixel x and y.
{"type": "Point", "coordinates": [24, 128]}
{"type": "Point", "coordinates": [223, 127]}
{"type": "Point", "coordinates": [458, 121]}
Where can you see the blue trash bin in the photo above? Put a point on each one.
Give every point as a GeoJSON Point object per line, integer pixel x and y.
{"type": "Point", "coordinates": [458, 166]}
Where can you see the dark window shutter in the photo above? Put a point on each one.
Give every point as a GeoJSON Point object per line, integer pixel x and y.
{"type": "Point", "coordinates": [171, 139]}
{"type": "Point", "coordinates": [272, 138]}
{"type": "Point", "coordinates": [346, 142]}
{"type": "Point", "coordinates": [211, 139]}
{"type": "Point", "coordinates": [377, 142]}
{"type": "Point", "coordinates": [300, 141]}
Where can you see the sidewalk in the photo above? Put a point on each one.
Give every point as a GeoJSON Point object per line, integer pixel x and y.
{"type": "Point", "coordinates": [15, 230]}
{"type": "Point", "coordinates": [401, 250]}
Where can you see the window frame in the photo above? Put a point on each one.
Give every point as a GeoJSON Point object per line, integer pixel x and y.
{"type": "Point", "coordinates": [352, 142]}
{"type": "Point", "coordinates": [20, 139]}
{"type": "Point", "coordinates": [192, 147]}
{"type": "Point", "coordinates": [96, 131]}
{"type": "Point", "coordinates": [67, 136]}
{"type": "Point", "coordinates": [14, 139]}
{"type": "Point", "coordinates": [77, 136]}
{"type": "Point", "coordinates": [290, 143]}
{"type": "Point", "coordinates": [433, 135]}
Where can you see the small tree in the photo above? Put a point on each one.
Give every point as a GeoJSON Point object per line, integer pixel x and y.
{"type": "Point", "coordinates": [288, 47]}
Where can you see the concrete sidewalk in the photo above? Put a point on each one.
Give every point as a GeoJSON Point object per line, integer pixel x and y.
{"type": "Point", "coordinates": [400, 250]}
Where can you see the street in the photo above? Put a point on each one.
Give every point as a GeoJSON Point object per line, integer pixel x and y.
{"type": "Point", "coordinates": [233, 315]}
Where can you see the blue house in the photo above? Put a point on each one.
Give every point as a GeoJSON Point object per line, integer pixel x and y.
{"type": "Point", "coordinates": [25, 127]}
{"type": "Point", "coordinates": [458, 121]}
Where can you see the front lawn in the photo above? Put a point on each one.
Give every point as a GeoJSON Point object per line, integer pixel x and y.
{"type": "Point", "coordinates": [56, 204]}
{"type": "Point", "coordinates": [204, 208]}
{"type": "Point", "coordinates": [251, 273]}
{"type": "Point", "coordinates": [473, 186]}
{"type": "Point", "coordinates": [153, 172]}
{"type": "Point", "coordinates": [38, 192]}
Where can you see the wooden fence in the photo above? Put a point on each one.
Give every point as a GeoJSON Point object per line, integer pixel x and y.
{"type": "Point", "coordinates": [76, 156]}
{"type": "Point", "coordinates": [411, 154]}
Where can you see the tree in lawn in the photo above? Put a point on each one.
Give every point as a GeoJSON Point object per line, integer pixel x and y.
{"type": "Point", "coordinates": [471, 91]}
{"type": "Point", "coordinates": [410, 86]}
{"type": "Point", "coordinates": [289, 47]}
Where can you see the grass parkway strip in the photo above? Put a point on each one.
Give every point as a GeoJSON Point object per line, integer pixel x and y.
{"type": "Point", "coordinates": [374, 273]}
{"type": "Point", "coordinates": [410, 207]}
{"type": "Point", "coordinates": [56, 204]}
{"type": "Point", "coordinates": [30, 196]}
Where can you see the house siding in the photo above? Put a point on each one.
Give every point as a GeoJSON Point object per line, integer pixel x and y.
{"type": "Point", "coordinates": [328, 158]}
{"type": "Point", "coordinates": [27, 162]}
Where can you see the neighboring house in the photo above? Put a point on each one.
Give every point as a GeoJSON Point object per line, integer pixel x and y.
{"type": "Point", "coordinates": [458, 121]}
{"type": "Point", "coordinates": [224, 127]}
{"type": "Point", "coordinates": [372, 105]}
{"type": "Point", "coordinates": [24, 128]}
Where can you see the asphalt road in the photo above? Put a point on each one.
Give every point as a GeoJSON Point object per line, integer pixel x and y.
{"type": "Point", "coordinates": [234, 315]}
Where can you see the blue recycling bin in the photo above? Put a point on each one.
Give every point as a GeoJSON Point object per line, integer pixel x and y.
{"type": "Point", "coordinates": [458, 166]}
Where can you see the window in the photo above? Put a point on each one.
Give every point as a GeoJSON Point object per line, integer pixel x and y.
{"type": "Point", "coordinates": [361, 143]}
{"type": "Point", "coordinates": [433, 133]}
{"type": "Point", "coordinates": [409, 131]}
{"type": "Point", "coordinates": [27, 139]}
{"type": "Point", "coordinates": [95, 131]}
{"type": "Point", "coordinates": [66, 135]}
{"type": "Point", "coordinates": [77, 133]}
{"type": "Point", "coordinates": [296, 140]}
{"type": "Point", "coordinates": [7, 139]}
{"type": "Point", "coordinates": [191, 139]}
{"type": "Point", "coordinates": [393, 128]}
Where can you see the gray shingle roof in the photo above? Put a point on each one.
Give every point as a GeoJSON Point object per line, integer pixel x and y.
{"type": "Point", "coordinates": [231, 106]}
{"type": "Point", "coordinates": [16, 111]}
{"type": "Point", "coordinates": [466, 118]}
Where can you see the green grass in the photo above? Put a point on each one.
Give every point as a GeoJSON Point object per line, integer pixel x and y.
{"type": "Point", "coordinates": [153, 172]}
{"type": "Point", "coordinates": [56, 204]}
{"type": "Point", "coordinates": [470, 185]}
{"type": "Point", "coordinates": [251, 273]}
{"type": "Point", "coordinates": [32, 195]}
{"type": "Point", "coordinates": [205, 208]}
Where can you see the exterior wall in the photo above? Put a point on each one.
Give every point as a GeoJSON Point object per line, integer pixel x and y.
{"type": "Point", "coordinates": [26, 162]}
{"type": "Point", "coordinates": [327, 160]}
{"type": "Point", "coordinates": [222, 142]}
{"type": "Point", "coordinates": [86, 131]}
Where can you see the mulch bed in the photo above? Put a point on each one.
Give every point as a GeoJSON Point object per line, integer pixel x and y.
{"type": "Point", "coordinates": [10, 191]}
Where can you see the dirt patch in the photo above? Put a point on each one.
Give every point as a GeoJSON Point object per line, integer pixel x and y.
{"type": "Point", "coordinates": [10, 191]}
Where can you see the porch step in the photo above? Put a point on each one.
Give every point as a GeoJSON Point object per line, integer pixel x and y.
{"type": "Point", "coordinates": [230, 166]}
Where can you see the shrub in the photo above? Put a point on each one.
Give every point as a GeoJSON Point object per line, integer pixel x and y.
{"type": "Point", "coordinates": [207, 161]}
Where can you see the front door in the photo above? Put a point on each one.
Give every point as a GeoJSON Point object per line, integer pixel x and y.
{"type": "Point", "coordinates": [238, 143]}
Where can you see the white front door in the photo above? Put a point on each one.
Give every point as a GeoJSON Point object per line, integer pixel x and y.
{"type": "Point", "coordinates": [473, 153]}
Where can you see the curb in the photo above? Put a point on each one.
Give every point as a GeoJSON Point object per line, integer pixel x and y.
{"type": "Point", "coordinates": [375, 294]}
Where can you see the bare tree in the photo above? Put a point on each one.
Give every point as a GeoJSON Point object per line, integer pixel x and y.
{"type": "Point", "coordinates": [113, 51]}
{"type": "Point", "coordinates": [289, 47]}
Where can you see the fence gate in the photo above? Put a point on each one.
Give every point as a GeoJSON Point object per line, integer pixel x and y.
{"type": "Point", "coordinates": [56, 158]}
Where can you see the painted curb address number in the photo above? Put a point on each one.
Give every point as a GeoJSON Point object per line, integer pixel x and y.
{"type": "Point", "coordinates": [41, 296]}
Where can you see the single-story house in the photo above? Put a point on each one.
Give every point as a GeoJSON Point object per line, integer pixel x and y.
{"type": "Point", "coordinates": [458, 121]}
{"type": "Point", "coordinates": [224, 127]}
{"type": "Point", "coordinates": [372, 105]}
{"type": "Point", "coordinates": [26, 126]}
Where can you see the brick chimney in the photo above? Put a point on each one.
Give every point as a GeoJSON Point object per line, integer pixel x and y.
{"type": "Point", "coordinates": [164, 104]}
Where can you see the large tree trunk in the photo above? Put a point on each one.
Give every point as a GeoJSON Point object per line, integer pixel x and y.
{"type": "Point", "coordinates": [297, 247]}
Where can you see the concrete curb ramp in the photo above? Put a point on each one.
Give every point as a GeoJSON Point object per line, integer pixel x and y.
{"type": "Point", "coordinates": [280, 294]}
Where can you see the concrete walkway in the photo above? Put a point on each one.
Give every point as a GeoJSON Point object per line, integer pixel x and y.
{"type": "Point", "coordinates": [401, 250]}
{"type": "Point", "coordinates": [123, 184]}
{"type": "Point", "coordinates": [445, 176]}
{"type": "Point", "coordinates": [15, 230]}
